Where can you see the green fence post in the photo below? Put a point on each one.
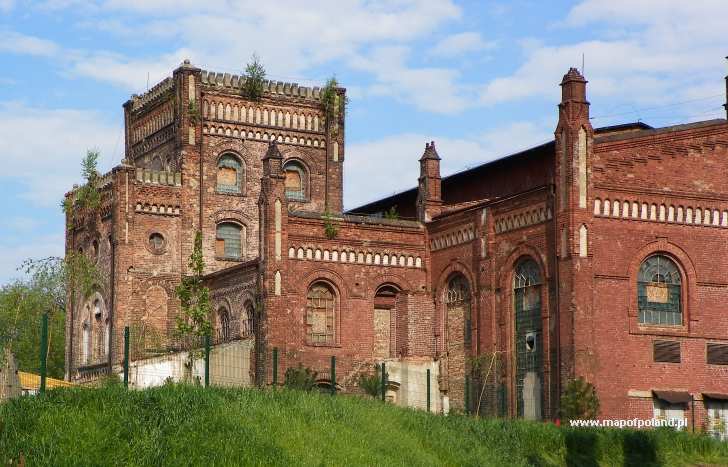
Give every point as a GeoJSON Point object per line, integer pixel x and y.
{"type": "Point", "coordinates": [43, 352]}
{"type": "Point", "coordinates": [428, 389]}
{"type": "Point", "coordinates": [333, 375]}
{"type": "Point", "coordinates": [275, 366]}
{"type": "Point", "coordinates": [126, 356]}
{"type": "Point", "coordinates": [384, 382]}
{"type": "Point", "coordinates": [207, 361]}
{"type": "Point", "coordinates": [467, 394]}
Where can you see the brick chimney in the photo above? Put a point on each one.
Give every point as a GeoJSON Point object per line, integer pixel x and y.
{"type": "Point", "coordinates": [429, 194]}
{"type": "Point", "coordinates": [573, 96]}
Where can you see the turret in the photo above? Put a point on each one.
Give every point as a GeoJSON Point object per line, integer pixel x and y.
{"type": "Point", "coordinates": [429, 195]}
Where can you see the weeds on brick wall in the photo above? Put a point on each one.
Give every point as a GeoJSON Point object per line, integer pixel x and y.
{"type": "Point", "coordinates": [579, 401]}
{"type": "Point", "coordinates": [300, 377]}
{"type": "Point", "coordinates": [332, 103]}
{"type": "Point", "coordinates": [330, 229]}
{"type": "Point", "coordinates": [254, 77]}
{"type": "Point", "coordinates": [87, 197]}
{"type": "Point", "coordinates": [194, 112]}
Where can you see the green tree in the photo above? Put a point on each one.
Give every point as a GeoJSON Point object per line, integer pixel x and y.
{"type": "Point", "coordinates": [194, 319]}
{"type": "Point", "coordinates": [43, 290]}
{"type": "Point", "coordinates": [254, 77]}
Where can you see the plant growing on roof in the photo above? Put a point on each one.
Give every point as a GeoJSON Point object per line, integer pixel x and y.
{"type": "Point", "coordinates": [331, 103]}
{"type": "Point", "coordinates": [254, 77]}
{"type": "Point", "coordinates": [87, 197]}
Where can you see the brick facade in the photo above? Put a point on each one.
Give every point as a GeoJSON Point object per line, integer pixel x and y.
{"type": "Point", "coordinates": [533, 259]}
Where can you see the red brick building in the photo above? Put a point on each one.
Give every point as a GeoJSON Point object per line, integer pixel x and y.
{"type": "Point", "coordinates": [597, 255]}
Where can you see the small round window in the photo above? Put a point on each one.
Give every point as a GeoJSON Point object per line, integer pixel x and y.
{"type": "Point", "coordinates": [156, 242]}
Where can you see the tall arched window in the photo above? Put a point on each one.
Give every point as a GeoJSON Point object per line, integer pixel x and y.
{"type": "Point", "coordinates": [223, 316]}
{"type": "Point", "coordinates": [86, 344]}
{"type": "Point", "coordinates": [229, 240]}
{"type": "Point", "coordinates": [295, 183]}
{"type": "Point", "coordinates": [385, 301]}
{"type": "Point", "coordinates": [458, 298]}
{"type": "Point", "coordinates": [246, 321]}
{"type": "Point", "coordinates": [458, 325]}
{"type": "Point", "coordinates": [229, 174]}
{"type": "Point", "coordinates": [529, 339]}
{"type": "Point", "coordinates": [321, 314]}
{"type": "Point", "coordinates": [659, 292]}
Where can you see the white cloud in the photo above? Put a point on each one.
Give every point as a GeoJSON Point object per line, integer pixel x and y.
{"type": "Point", "coordinates": [430, 89]}
{"type": "Point", "coordinates": [460, 44]}
{"type": "Point", "coordinates": [662, 50]}
{"type": "Point", "coordinates": [14, 252]}
{"type": "Point", "coordinates": [6, 5]}
{"type": "Point", "coordinates": [42, 148]}
{"type": "Point", "coordinates": [13, 42]}
{"type": "Point", "coordinates": [379, 168]}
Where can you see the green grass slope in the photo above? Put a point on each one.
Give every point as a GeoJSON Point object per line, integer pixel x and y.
{"type": "Point", "coordinates": [183, 425]}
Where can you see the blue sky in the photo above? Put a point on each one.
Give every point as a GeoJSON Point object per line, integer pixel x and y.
{"type": "Point", "coordinates": [479, 78]}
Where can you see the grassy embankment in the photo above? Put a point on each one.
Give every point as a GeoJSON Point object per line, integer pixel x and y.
{"type": "Point", "coordinates": [183, 425]}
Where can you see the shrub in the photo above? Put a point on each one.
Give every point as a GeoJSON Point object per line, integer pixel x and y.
{"type": "Point", "coordinates": [300, 377]}
{"type": "Point", "coordinates": [579, 401]}
{"type": "Point", "coordinates": [372, 383]}
{"type": "Point", "coordinates": [254, 76]}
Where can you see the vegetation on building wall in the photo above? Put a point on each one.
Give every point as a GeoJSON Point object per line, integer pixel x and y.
{"type": "Point", "coordinates": [87, 197]}
{"type": "Point", "coordinates": [254, 77]}
{"type": "Point", "coordinates": [331, 104]}
{"type": "Point", "coordinates": [193, 111]}
{"type": "Point", "coordinates": [330, 229]}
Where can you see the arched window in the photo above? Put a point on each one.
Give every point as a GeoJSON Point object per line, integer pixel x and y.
{"type": "Point", "coordinates": [229, 240]}
{"type": "Point", "coordinates": [246, 322]}
{"type": "Point", "coordinates": [659, 292]}
{"type": "Point", "coordinates": [458, 298]}
{"type": "Point", "coordinates": [529, 339]}
{"type": "Point", "coordinates": [321, 314]}
{"type": "Point", "coordinates": [223, 316]}
{"type": "Point", "coordinates": [86, 344]}
{"type": "Point", "coordinates": [295, 181]}
{"type": "Point", "coordinates": [385, 301]}
{"type": "Point", "coordinates": [229, 174]}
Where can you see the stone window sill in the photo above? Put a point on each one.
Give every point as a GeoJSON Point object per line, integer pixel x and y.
{"type": "Point", "coordinates": [229, 258]}
{"type": "Point", "coordinates": [230, 193]}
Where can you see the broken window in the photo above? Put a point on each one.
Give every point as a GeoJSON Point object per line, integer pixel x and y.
{"type": "Point", "coordinates": [295, 183]}
{"type": "Point", "coordinates": [659, 292]}
{"type": "Point", "coordinates": [321, 314]}
{"type": "Point", "coordinates": [229, 174]}
{"type": "Point", "coordinates": [228, 242]}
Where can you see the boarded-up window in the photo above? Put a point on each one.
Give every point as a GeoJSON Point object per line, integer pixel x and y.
{"type": "Point", "coordinates": [659, 292]}
{"type": "Point", "coordinates": [228, 242]}
{"type": "Point", "coordinates": [229, 174]}
{"type": "Point", "coordinates": [321, 314]}
{"type": "Point", "coordinates": [295, 183]}
{"type": "Point", "coordinates": [717, 354]}
{"type": "Point", "coordinates": [666, 351]}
